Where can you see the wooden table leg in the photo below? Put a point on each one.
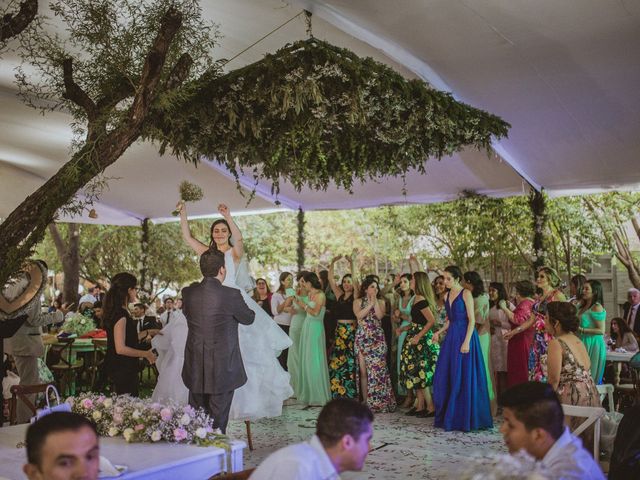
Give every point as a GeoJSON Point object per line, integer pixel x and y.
{"type": "Point", "coordinates": [249, 439]}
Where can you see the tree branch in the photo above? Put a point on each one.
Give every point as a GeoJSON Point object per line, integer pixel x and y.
{"type": "Point", "coordinates": [73, 92]}
{"type": "Point", "coordinates": [180, 71]}
{"type": "Point", "coordinates": [12, 25]}
{"type": "Point", "coordinates": [122, 89]}
{"type": "Point", "coordinates": [169, 26]}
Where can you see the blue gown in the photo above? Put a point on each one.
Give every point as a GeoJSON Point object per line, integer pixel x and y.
{"type": "Point", "coordinates": [460, 391]}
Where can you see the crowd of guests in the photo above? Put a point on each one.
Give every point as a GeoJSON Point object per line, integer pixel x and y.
{"type": "Point", "coordinates": [439, 342]}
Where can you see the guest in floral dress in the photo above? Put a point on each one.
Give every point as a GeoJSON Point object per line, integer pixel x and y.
{"type": "Point", "coordinates": [548, 281]}
{"type": "Point", "coordinates": [420, 353]}
{"type": "Point", "coordinates": [568, 364]}
{"type": "Point", "coordinates": [401, 318]}
{"type": "Point", "coordinates": [371, 349]}
{"type": "Point", "coordinates": [342, 363]}
{"type": "Point", "coordinates": [592, 319]}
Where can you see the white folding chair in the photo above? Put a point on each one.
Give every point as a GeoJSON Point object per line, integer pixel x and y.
{"type": "Point", "coordinates": [593, 416]}
{"type": "Point", "coordinates": [606, 390]}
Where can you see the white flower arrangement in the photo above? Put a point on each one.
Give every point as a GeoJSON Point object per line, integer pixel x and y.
{"type": "Point", "coordinates": [519, 466]}
{"type": "Point", "coordinates": [78, 324]}
{"type": "Point", "coordinates": [145, 421]}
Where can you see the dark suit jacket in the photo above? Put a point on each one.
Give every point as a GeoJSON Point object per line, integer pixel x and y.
{"type": "Point", "coordinates": [212, 360]}
{"type": "Point", "coordinates": [636, 325]}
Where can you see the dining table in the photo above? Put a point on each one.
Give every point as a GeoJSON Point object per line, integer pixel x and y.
{"type": "Point", "coordinates": [139, 461]}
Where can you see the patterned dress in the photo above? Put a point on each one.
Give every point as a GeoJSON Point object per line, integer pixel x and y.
{"type": "Point", "coordinates": [538, 353]}
{"type": "Point", "coordinates": [371, 345]}
{"type": "Point", "coordinates": [576, 387]}
{"type": "Point", "coordinates": [418, 362]}
{"type": "Point", "coordinates": [342, 364]}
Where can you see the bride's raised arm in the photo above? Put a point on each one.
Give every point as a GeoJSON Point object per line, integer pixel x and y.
{"type": "Point", "coordinates": [238, 247]}
{"type": "Point", "coordinates": [195, 244]}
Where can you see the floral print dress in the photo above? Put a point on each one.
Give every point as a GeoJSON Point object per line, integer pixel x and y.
{"type": "Point", "coordinates": [538, 353]}
{"type": "Point", "coordinates": [342, 363]}
{"type": "Point", "coordinates": [418, 362]}
{"type": "Point", "coordinates": [371, 345]}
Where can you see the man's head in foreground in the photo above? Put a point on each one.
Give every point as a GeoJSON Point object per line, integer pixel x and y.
{"type": "Point", "coordinates": [533, 418]}
{"type": "Point", "coordinates": [345, 429]}
{"type": "Point", "coordinates": [62, 446]}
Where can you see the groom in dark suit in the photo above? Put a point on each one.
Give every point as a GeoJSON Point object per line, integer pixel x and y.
{"type": "Point", "coordinates": [213, 366]}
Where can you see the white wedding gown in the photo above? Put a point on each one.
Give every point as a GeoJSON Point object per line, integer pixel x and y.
{"type": "Point", "coordinates": [170, 348]}
{"type": "Point", "coordinates": [261, 342]}
{"type": "Point", "coordinates": [268, 384]}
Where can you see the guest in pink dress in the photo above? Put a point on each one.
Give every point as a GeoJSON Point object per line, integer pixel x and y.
{"type": "Point", "coordinates": [520, 337]}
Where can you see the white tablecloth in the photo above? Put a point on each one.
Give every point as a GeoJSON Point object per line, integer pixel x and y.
{"type": "Point", "coordinates": [619, 356]}
{"type": "Point", "coordinates": [157, 461]}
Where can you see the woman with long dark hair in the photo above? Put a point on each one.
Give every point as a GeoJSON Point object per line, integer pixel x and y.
{"type": "Point", "coordinates": [592, 317]}
{"type": "Point", "coordinates": [420, 352]}
{"type": "Point", "coordinates": [568, 363]}
{"type": "Point", "coordinates": [460, 391]}
{"type": "Point", "coordinates": [262, 295]}
{"type": "Point", "coordinates": [281, 306]}
{"type": "Point", "coordinates": [123, 339]}
{"type": "Point", "coordinates": [371, 348]}
{"type": "Point", "coordinates": [401, 318]}
{"type": "Point", "coordinates": [622, 335]}
{"type": "Point", "coordinates": [314, 372]}
{"type": "Point", "coordinates": [298, 315]}
{"type": "Point", "coordinates": [342, 362]}
{"type": "Point", "coordinates": [440, 291]}
{"type": "Point", "coordinates": [261, 342]}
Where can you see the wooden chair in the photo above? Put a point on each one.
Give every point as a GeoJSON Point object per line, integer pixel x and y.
{"type": "Point", "coordinates": [630, 391]}
{"type": "Point", "coordinates": [243, 475]}
{"type": "Point", "coordinates": [606, 390]}
{"type": "Point", "coordinates": [249, 438]}
{"type": "Point", "coordinates": [68, 365]}
{"type": "Point", "coordinates": [593, 416]}
{"type": "Point", "coordinates": [99, 354]}
{"type": "Point", "coordinates": [21, 392]}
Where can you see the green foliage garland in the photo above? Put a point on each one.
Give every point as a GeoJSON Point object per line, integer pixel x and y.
{"type": "Point", "coordinates": [313, 114]}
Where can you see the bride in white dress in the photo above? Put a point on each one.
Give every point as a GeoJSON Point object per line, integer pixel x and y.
{"type": "Point", "coordinates": [261, 342]}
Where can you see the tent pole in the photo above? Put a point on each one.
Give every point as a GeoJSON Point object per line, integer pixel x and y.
{"type": "Point", "coordinates": [300, 249]}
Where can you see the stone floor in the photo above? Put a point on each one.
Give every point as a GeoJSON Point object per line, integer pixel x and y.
{"type": "Point", "coordinates": [403, 447]}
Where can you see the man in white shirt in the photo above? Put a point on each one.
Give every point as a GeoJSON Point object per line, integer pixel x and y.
{"type": "Point", "coordinates": [534, 422]}
{"type": "Point", "coordinates": [341, 443]}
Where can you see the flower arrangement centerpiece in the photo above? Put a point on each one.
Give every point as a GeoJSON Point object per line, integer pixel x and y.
{"type": "Point", "coordinates": [519, 466]}
{"type": "Point", "coordinates": [78, 324]}
{"type": "Point", "coordinates": [138, 420]}
{"type": "Point", "coordinates": [188, 193]}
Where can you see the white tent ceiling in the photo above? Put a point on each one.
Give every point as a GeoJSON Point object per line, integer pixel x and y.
{"type": "Point", "coordinates": [564, 74]}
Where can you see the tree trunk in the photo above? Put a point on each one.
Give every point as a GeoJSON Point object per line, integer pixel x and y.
{"type": "Point", "coordinates": [300, 249]}
{"type": "Point", "coordinates": [12, 25]}
{"type": "Point", "coordinates": [26, 225]}
{"type": "Point", "coordinates": [144, 256]}
{"type": "Point", "coordinates": [69, 255]}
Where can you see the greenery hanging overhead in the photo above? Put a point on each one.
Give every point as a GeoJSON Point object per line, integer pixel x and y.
{"type": "Point", "coordinates": [313, 113]}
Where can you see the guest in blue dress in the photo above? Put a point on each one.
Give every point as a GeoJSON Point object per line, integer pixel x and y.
{"type": "Point", "coordinates": [460, 392]}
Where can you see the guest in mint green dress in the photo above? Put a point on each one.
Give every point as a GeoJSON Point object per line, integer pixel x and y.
{"type": "Point", "coordinates": [402, 319]}
{"type": "Point", "coordinates": [592, 318]}
{"type": "Point", "coordinates": [295, 330]}
{"type": "Point", "coordinates": [314, 371]}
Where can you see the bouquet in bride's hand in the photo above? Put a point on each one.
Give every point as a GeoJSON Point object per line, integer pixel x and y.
{"type": "Point", "coordinates": [519, 466]}
{"type": "Point", "coordinates": [188, 193]}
